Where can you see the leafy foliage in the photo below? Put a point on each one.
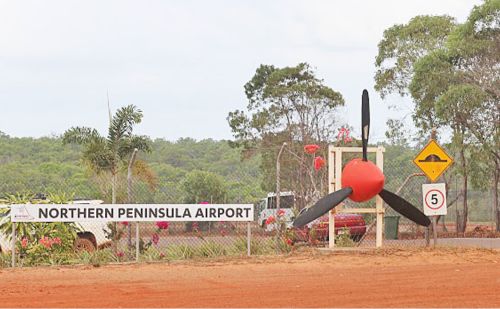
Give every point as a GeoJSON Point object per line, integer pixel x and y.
{"type": "Point", "coordinates": [289, 105]}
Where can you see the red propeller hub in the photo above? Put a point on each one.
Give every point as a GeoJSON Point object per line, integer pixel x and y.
{"type": "Point", "coordinates": [365, 179]}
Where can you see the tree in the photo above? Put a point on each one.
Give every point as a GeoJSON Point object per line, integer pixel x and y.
{"type": "Point", "coordinates": [402, 45]}
{"type": "Point", "coordinates": [290, 105]}
{"type": "Point", "coordinates": [467, 98]}
{"type": "Point", "coordinates": [108, 154]}
{"type": "Point", "coordinates": [396, 133]}
{"type": "Point", "coordinates": [451, 72]}
{"type": "Point", "coordinates": [202, 186]}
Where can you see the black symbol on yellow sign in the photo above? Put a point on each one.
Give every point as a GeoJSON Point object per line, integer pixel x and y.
{"type": "Point", "coordinates": [433, 160]}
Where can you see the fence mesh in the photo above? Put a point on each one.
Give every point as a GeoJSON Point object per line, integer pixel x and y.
{"type": "Point", "coordinates": [150, 241]}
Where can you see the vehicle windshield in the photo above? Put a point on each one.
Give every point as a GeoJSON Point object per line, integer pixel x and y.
{"type": "Point", "coordinates": [286, 201]}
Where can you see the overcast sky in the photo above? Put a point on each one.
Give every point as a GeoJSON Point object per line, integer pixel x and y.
{"type": "Point", "coordinates": [184, 63]}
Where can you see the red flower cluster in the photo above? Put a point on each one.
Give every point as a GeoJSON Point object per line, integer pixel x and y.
{"type": "Point", "coordinates": [125, 223]}
{"type": "Point", "coordinates": [281, 213]}
{"type": "Point", "coordinates": [344, 135]}
{"type": "Point", "coordinates": [155, 238]}
{"type": "Point", "coordinates": [120, 254]}
{"type": "Point", "coordinates": [289, 242]}
{"type": "Point", "coordinates": [195, 227]}
{"type": "Point", "coordinates": [48, 242]}
{"type": "Point", "coordinates": [311, 148]}
{"type": "Point", "coordinates": [24, 242]}
{"type": "Point", "coordinates": [270, 220]}
{"type": "Point", "coordinates": [162, 225]}
{"type": "Point", "coordinates": [319, 162]}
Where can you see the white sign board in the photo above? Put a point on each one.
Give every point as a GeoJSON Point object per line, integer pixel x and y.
{"type": "Point", "coordinates": [130, 212]}
{"type": "Point", "coordinates": [434, 199]}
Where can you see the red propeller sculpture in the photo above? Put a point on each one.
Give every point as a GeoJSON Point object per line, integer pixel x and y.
{"type": "Point", "coordinates": [361, 181]}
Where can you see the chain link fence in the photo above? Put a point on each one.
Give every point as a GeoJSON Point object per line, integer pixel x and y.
{"type": "Point", "coordinates": [97, 243]}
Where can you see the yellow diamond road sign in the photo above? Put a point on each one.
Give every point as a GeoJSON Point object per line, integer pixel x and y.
{"type": "Point", "coordinates": [433, 160]}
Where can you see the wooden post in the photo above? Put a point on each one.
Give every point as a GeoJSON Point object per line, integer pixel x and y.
{"type": "Point", "coordinates": [335, 183]}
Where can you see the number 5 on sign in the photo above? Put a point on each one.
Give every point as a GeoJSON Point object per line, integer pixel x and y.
{"type": "Point", "coordinates": [434, 199]}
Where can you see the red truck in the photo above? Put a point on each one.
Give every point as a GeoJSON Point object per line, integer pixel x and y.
{"type": "Point", "coordinates": [353, 223]}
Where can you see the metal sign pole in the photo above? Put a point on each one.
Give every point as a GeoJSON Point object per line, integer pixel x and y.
{"type": "Point", "coordinates": [13, 248]}
{"type": "Point", "coordinates": [137, 242]}
{"type": "Point", "coordinates": [434, 229]}
{"type": "Point", "coordinates": [249, 237]}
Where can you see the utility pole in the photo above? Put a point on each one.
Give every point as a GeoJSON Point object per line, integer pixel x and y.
{"type": "Point", "coordinates": [278, 189]}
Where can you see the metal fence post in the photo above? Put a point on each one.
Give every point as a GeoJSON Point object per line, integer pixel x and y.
{"type": "Point", "coordinates": [249, 237]}
{"type": "Point", "coordinates": [13, 240]}
{"type": "Point", "coordinates": [137, 244]}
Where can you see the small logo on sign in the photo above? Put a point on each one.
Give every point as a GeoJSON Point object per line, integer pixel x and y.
{"type": "Point", "coordinates": [19, 212]}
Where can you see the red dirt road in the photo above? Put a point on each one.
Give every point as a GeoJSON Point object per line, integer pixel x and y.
{"type": "Point", "coordinates": [429, 278]}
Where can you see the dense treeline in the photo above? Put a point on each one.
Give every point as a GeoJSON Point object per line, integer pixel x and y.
{"type": "Point", "coordinates": [41, 165]}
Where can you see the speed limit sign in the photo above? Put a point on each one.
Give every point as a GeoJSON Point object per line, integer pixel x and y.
{"type": "Point", "coordinates": [434, 198]}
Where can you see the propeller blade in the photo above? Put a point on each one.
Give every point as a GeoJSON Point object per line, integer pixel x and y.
{"type": "Point", "coordinates": [322, 207]}
{"type": "Point", "coordinates": [402, 206]}
{"type": "Point", "coordinates": [365, 122]}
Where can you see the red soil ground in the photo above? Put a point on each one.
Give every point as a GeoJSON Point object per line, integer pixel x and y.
{"type": "Point", "coordinates": [396, 278]}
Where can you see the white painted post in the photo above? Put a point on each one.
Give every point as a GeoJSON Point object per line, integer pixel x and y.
{"type": "Point", "coordinates": [249, 237]}
{"type": "Point", "coordinates": [137, 242]}
{"type": "Point", "coordinates": [335, 181]}
{"type": "Point", "coordinates": [13, 244]}
{"type": "Point", "coordinates": [379, 202]}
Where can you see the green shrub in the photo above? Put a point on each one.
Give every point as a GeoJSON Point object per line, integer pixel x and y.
{"type": "Point", "coordinates": [5, 260]}
{"type": "Point", "coordinates": [98, 257]}
{"type": "Point", "coordinates": [40, 243]}
{"type": "Point", "coordinates": [343, 239]}
{"type": "Point", "coordinates": [257, 247]}
{"type": "Point", "coordinates": [179, 252]}
{"type": "Point", "coordinates": [210, 249]}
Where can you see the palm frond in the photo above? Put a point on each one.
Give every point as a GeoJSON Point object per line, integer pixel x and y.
{"type": "Point", "coordinates": [80, 135]}
{"type": "Point", "coordinates": [99, 157]}
{"type": "Point", "coordinates": [127, 145]}
{"type": "Point", "coordinates": [123, 122]}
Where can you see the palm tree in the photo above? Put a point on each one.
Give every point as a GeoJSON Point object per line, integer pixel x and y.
{"type": "Point", "coordinates": [108, 154]}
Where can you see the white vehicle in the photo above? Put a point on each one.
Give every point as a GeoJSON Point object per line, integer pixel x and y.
{"type": "Point", "coordinates": [267, 208]}
{"type": "Point", "coordinates": [90, 237]}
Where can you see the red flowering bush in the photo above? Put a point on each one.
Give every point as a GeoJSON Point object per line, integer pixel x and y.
{"type": "Point", "coordinates": [162, 225]}
{"type": "Point", "coordinates": [270, 220]}
{"type": "Point", "coordinates": [280, 213]}
{"type": "Point", "coordinates": [24, 242]}
{"type": "Point", "coordinates": [319, 162]}
{"type": "Point", "coordinates": [155, 238]}
{"type": "Point", "coordinates": [343, 137]}
{"type": "Point", "coordinates": [311, 148]}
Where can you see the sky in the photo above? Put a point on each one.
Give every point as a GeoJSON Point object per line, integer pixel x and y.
{"type": "Point", "coordinates": [184, 63]}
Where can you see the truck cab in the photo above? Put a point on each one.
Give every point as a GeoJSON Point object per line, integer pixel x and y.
{"type": "Point", "coordinates": [268, 207]}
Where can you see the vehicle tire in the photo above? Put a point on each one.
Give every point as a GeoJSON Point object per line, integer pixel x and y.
{"type": "Point", "coordinates": [83, 244]}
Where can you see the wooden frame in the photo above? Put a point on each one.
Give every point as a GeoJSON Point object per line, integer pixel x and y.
{"type": "Point", "coordinates": [335, 183]}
